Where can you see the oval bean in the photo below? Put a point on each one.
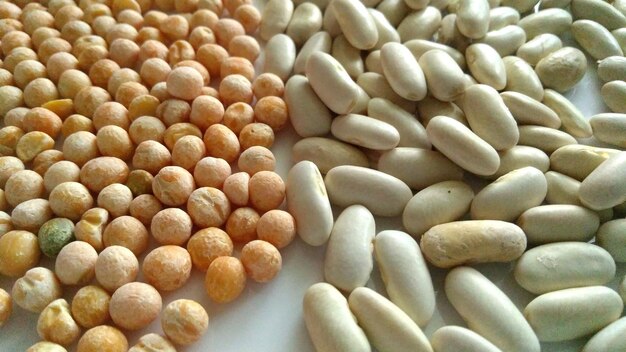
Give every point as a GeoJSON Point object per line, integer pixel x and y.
{"type": "Point", "coordinates": [522, 78]}
{"type": "Point", "coordinates": [486, 66]}
{"type": "Point", "coordinates": [505, 40]}
{"type": "Point", "coordinates": [404, 74]}
{"type": "Point", "coordinates": [419, 47]}
{"type": "Point", "coordinates": [386, 32]}
{"type": "Point", "coordinates": [612, 68]}
{"type": "Point", "coordinates": [539, 47]}
{"type": "Point", "coordinates": [308, 114]}
{"type": "Point", "coordinates": [418, 168]}
{"type": "Point", "coordinates": [348, 56]}
{"type": "Point", "coordinates": [601, 12]}
{"type": "Point", "coordinates": [394, 10]}
{"type": "Point", "coordinates": [554, 21]}
{"type": "Point", "coordinates": [609, 339]}
{"type": "Point", "coordinates": [412, 133]}
{"type": "Point", "coordinates": [365, 131]}
{"type": "Point", "coordinates": [562, 69]}
{"type": "Point", "coordinates": [614, 96]}
{"type": "Point", "coordinates": [595, 39]}
{"type": "Point", "coordinates": [280, 56]}
{"type": "Point", "coordinates": [320, 41]}
{"type": "Point", "coordinates": [422, 24]}
{"type": "Point", "coordinates": [528, 111]}
{"type": "Point", "coordinates": [472, 18]}
{"type": "Point", "coordinates": [275, 18]}
{"type": "Point", "coordinates": [455, 338]}
{"type": "Point", "coordinates": [578, 161]}
{"type": "Point", "coordinates": [306, 20]}
{"type": "Point", "coordinates": [500, 17]}
{"type": "Point", "coordinates": [377, 86]}
{"type": "Point", "coordinates": [521, 156]}
{"type": "Point", "coordinates": [604, 187]}
{"type": "Point", "coordinates": [558, 223]}
{"type": "Point", "coordinates": [430, 107]}
{"type": "Point", "coordinates": [443, 75]}
{"type": "Point", "coordinates": [544, 138]}
{"type": "Point", "coordinates": [327, 153]}
{"type": "Point", "coordinates": [355, 23]}
{"type": "Point", "coordinates": [572, 120]}
{"type": "Point", "coordinates": [562, 189]}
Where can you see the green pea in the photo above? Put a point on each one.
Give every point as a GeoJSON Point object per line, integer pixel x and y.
{"type": "Point", "coordinates": [54, 235]}
{"type": "Point", "coordinates": [140, 182]}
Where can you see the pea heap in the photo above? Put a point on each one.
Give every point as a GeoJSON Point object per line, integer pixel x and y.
{"type": "Point", "coordinates": [115, 140]}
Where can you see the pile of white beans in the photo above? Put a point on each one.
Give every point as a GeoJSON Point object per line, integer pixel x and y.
{"type": "Point", "coordinates": [422, 95]}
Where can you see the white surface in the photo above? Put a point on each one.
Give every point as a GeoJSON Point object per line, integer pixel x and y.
{"type": "Point", "coordinates": [268, 317]}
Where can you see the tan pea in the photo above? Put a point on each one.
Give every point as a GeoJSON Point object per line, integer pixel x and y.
{"type": "Point", "coordinates": [35, 19]}
{"type": "Point", "coordinates": [89, 99]}
{"type": "Point", "coordinates": [19, 252]}
{"type": "Point", "coordinates": [45, 346]}
{"type": "Point", "coordinates": [128, 91]}
{"type": "Point", "coordinates": [221, 142]}
{"type": "Point", "coordinates": [115, 267]}
{"type": "Point", "coordinates": [206, 111]}
{"type": "Point", "coordinates": [175, 27]}
{"type": "Point", "coordinates": [210, 91]}
{"type": "Point", "coordinates": [261, 260]}
{"type": "Point", "coordinates": [208, 244]}
{"type": "Point", "coordinates": [59, 172]}
{"type": "Point", "coordinates": [272, 111]}
{"type": "Point", "coordinates": [226, 29]}
{"type": "Point", "coordinates": [28, 70]}
{"type": "Point", "coordinates": [237, 116]}
{"type": "Point", "coordinates": [75, 264]}
{"type": "Point", "coordinates": [255, 159]}
{"type": "Point", "coordinates": [61, 107]}
{"type": "Point", "coordinates": [118, 6]}
{"type": "Point", "coordinates": [43, 120]}
{"type": "Point", "coordinates": [235, 88]}
{"type": "Point", "coordinates": [206, 79]}
{"type": "Point", "coordinates": [96, 338]}
{"type": "Point", "coordinates": [10, 10]}
{"type": "Point", "coordinates": [6, 78]}
{"type": "Point", "coordinates": [70, 200]}
{"type": "Point", "coordinates": [36, 289]}
{"type": "Point", "coordinates": [151, 156]}
{"type": "Point", "coordinates": [16, 56]}
{"type": "Point", "coordinates": [5, 219]}
{"type": "Point", "coordinates": [101, 71]}
{"type": "Point", "coordinates": [179, 51]}
{"type": "Point", "coordinates": [249, 17]}
{"type": "Point", "coordinates": [15, 116]}
{"type": "Point", "coordinates": [225, 279]}
{"type": "Point", "coordinates": [121, 76]}
{"type": "Point", "coordinates": [139, 182]}
{"type": "Point", "coordinates": [173, 111]}
{"type": "Point", "coordinates": [93, 12]}
{"type": "Point", "coordinates": [184, 83]}
{"type": "Point", "coordinates": [154, 17]}
{"type": "Point", "coordinates": [256, 134]}
{"type": "Point", "coordinates": [152, 48]}
{"type": "Point", "coordinates": [201, 35]}
{"type": "Point", "coordinates": [87, 41]}
{"type": "Point", "coordinates": [135, 305]}
{"type": "Point", "coordinates": [173, 185]}
{"type": "Point", "coordinates": [90, 306]}
{"type": "Point", "coordinates": [167, 268]}
{"type": "Point", "coordinates": [237, 66]}
{"type": "Point", "coordinates": [40, 91]}
{"type": "Point", "coordinates": [90, 227]}
{"type": "Point", "coordinates": [66, 14]}
{"type": "Point", "coordinates": [203, 17]}
{"type": "Point", "coordinates": [178, 131]}
{"type": "Point", "coordinates": [71, 82]}
{"type": "Point", "coordinates": [184, 321]}
{"type": "Point", "coordinates": [267, 190]}
{"type": "Point", "coordinates": [103, 171]}
{"type": "Point", "coordinates": [114, 141]}
{"type": "Point", "coordinates": [31, 214]}
{"type": "Point", "coordinates": [90, 56]}
{"type": "Point", "coordinates": [124, 52]}
{"type": "Point", "coordinates": [188, 151]}
{"type": "Point", "coordinates": [9, 136]}
{"type": "Point", "coordinates": [171, 226]}
{"type": "Point", "coordinates": [145, 128]}
{"type": "Point", "coordinates": [22, 186]}
{"type": "Point", "coordinates": [73, 30]}
{"type": "Point", "coordinates": [143, 105]}
{"type": "Point", "coordinates": [55, 324]}
{"type": "Point", "coordinates": [241, 225]}
{"type": "Point", "coordinates": [154, 70]}
{"type": "Point", "coordinates": [15, 39]}
{"type": "Point", "coordinates": [268, 84]}
{"type": "Point", "coordinates": [52, 46]}
{"type": "Point", "coordinates": [121, 30]}
{"type": "Point", "coordinates": [244, 46]}
{"type": "Point", "coordinates": [153, 342]}
{"type": "Point", "coordinates": [211, 172]}
{"type": "Point", "coordinates": [277, 227]}
{"type": "Point", "coordinates": [6, 307]}
{"type": "Point", "coordinates": [10, 98]}
{"type": "Point", "coordinates": [211, 56]}
{"type": "Point", "coordinates": [208, 207]}
{"type": "Point", "coordinates": [41, 34]}
{"type": "Point", "coordinates": [132, 17]}
{"type": "Point", "coordinates": [80, 147]}
{"type": "Point", "coordinates": [115, 198]}
{"type": "Point", "coordinates": [145, 207]}
{"type": "Point", "coordinates": [128, 232]}
{"type": "Point", "coordinates": [8, 166]}
{"type": "Point", "coordinates": [236, 188]}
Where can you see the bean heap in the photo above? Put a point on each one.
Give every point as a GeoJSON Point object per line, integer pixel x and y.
{"type": "Point", "coordinates": [136, 137]}
{"type": "Point", "coordinates": [425, 96]}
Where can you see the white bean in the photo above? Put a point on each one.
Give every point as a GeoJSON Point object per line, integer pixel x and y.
{"type": "Point", "coordinates": [305, 21]}
{"type": "Point", "coordinates": [558, 223]}
{"type": "Point", "coordinates": [417, 4]}
{"type": "Point", "coordinates": [419, 47]}
{"type": "Point", "coordinates": [275, 18]}
{"type": "Point", "coordinates": [437, 204]}
{"type": "Point", "coordinates": [327, 153]}
{"type": "Point", "coordinates": [405, 274]}
{"type": "Point", "coordinates": [554, 21]}
{"type": "Point", "coordinates": [455, 338]}
{"type": "Point", "coordinates": [601, 12]}
{"type": "Point", "coordinates": [422, 24]}
{"type": "Point", "coordinates": [365, 131]}
{"type": "Point", "coordinates": [614, 96]}
{"type": "Point", "coordinates": [558, 266]}
{"type": "Point", "coordinates": [430, 107]}
{"type": "Point", "coordinates": [611, 338]}
{"type": "Point", "coordinates": [505, 40]}
{"type": "Point", "coordinates": [612, 68]}
{"type": "Point", "coordinates": [522, 78]}
{"type": "Point", "coordinates": [620, 36]}
{"type": "Point", "coordinates": [595, 39]}
{"type": "Point", "coordinates": [562, 189]}
{"type": "Point", "coordinates": [544, 138]}
{"type": "Point", "coordinates": [609, 128]}
{"type": "Point", "coordinates": [520, 5]}
{"type": "Point", "coordinates": [418, 168]}
{"type": "Point", "coordinates": [539, 47]}
{"type": "Point", "coordinates": [382, 194]}
{"type": "Point", "coordinates": [386, 32]}
{"type": "Point", "coordinates": [443, 75]}
{"type": "Point", "coordinates": [386, 325]}
{"type": "Point", "coordinates": [521, 156]}
{"type": "Point", "coordinates": [307, 113]}
{"type": "Point", "coordinates": [488, 311]}
{"type": "Point", "coordinates": [377, 86]}
{"type": "Point", "coordinates": [348, 56]}
{"type": "Point", "coordinates": [330, 23]}
{"type": "Point", "coordinates": [348, 262]}
{"type": "Point", "coordinates": [449, 33]}
{"type": "Point", "coordinates": [404, 74]}
{"type": "Point", "coordinates": [572, 120]}
{"type": "Point", "coordinates": [320, 41]}
{"type": "Point", "coordinates": [356, 23]}
{"type": "Point", "coordinates": [572, 313]}
{"type": "Point", "coordinates": [473, 18]}
{"type": "Point", "coordinates": [562, 69]}
{"type": "Point", "coordinates": [394, 10]}
{"type": "Point", "coordinates": [528, 111]}
{"type": "Point", "coordinates": [486, 66]}
{"type": "Point", "coordinates": [330, 324]}
{"type": "Point", "coordinates": [372, 62]}
{"type": "Point", "coordinates": [500, 17]}
{"type": "Point", "coordinates": [412, 133]}
{"type": "Point", "coordinates": [578, 161]}
{"type": "Point", "coordinates": [308, 202]}
{"type": "Point", "coordinates": [280, 56]}
{"type": "Point", "coordinates": [604, 187]}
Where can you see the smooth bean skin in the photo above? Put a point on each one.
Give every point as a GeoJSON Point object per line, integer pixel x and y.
{"type": "Point", "coordinates": [308, 114]}
{"type": "Point", "coordinates": [403, 72]}
{"type": "Point", "coordinates": [443, 75]}
{"type": "Point", "coordinates": [539, 47]}
{"type": "Point", "coordinates": [355, 23]}
{"type": "Point", "coordinates": [557, 223]}
{"type": "Point", "coordinates": [562, 69]}
{"type": "Point", "coordinates": [572, 119]}
{"type": "Point", "coordinates": [578, 161]}
{"type": "Point", "coordinates": [455, 338]}
{"type": "Point", "coordinates": [421, 24]}
{"type": "Point", "coordinates": [554, 21]}
{"type": "Point", "coordinates": [522, 78]}
{"type": "Point", "coordinates": [609, 128]}
{"type": "Point", "coordinates": [562, 189]}
{"type": "Point", "coordinates": [609, 339]}
{"type": "Point", "coordinates": [612, 68]}
{"type": "Point", "coordinates": [614, 94]}
{"type": "Point", "coordinates": [505, 40]}
{"type": "Point", "coordinates": [606, 15]}
{"type": "Point", "coordinates": [611, 236]}
{"type": "Point", "coordinates": [405, 274]}
{"type": "Point", "coordinates": [275, 18]}
{"type": "Point", "coordinates": [488, 311]}
{"type": "Point", "coordinates": [557, 266]}
{"type": "Point", "coordinates": [604, 187]}
{"type": "Point", "coordinates": [412, 133]}
{"type": "Point", "coordinates": [595, 39]}
{"type": "Point", "coordinates": [330, 324]}
{"type": "Point", "coordinates": [486, 65]}
{"type": "Point", "coordinates": [502, 16]}
{"type": "Point", "coordinates": [377, 86]}
{"type": "Point", "coordinates": [473, 18]}
{"type": "Point", "coordinates": [528, 111]}
{"type": "Point", "coordinates": [572, 313]}
{"type": "Point", "coordinates": [320, 41]}
{"type": "Point", "coordinates": [280, 53]}
{"type": "Point", "coordinates": [327, 153]}
{"type": "Point", "coordinates": [386, 32]}
{"type": "Point", "coordinates": [544, 138]}
{"type": "Point", "coordinates": [365, 131]}
{"type": "Point", "coordinates": [518, 157]}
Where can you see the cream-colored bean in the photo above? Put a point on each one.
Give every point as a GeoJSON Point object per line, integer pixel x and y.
{"type": "Point", "coordinates": [372, 63]}
{"type": "Point", "coordinates": [620, 36]}
{"type": "Point", "coordinates": [320, 41]}
{"type": "Point", "coordinates": [612, 68]}
{"type": "Point", "coordinates": [386, 32]}
{"type": "Point", "coordinates": [562, 69]}
{"type": "Point", "coordinates": [348, 56]}
{"type": "Point", "coordinates": [306, 20]}
{"type": "Point", "coordinates": [555, 21]}
{"type": "Point", "coordinates": [308, 114]}
{"type": "Point", "coordinates": [308, 203]}
{"type": "Point", "coordinates": [449, 33]}
{"type": "Point", "coordinates": [558, 223]}
{"type": "Point", "coordinates": [562, 189]}
{"type": "Point", "coordinates": [412, 133]}
{"type": "Point", "coordinates": [422, 24]}
{"type": "Point", "coordinates": [443, 75]}
{"type": "Point", "coordinates": [609, 128]}
{"type": "Point", "coordinates": [572, 313]}
{"type": "Point", "coordinates": [510, 195]}
{"type": "Point", "coordinates": [558, 266]}
{"type": "Point", "coordinates": [601, 12]}
{"type": "Point", "coordinates": [505, 40]}
{"type": "Point", "coordinates": [418, 168]}
{"type": "Point", "coordinates": [416, 4]}
{"type": "Point", "coordinates": [595, 39]}
{"type": "Point", "coordinates": [394, 10]}
{"type": "Point", "coordinates": [437, 204]}
{"type": "Point", "coordinates": [275, 18]}
{"type": "Point", "coordinates": [488, 311]}
{"type": "Point", "coordinates": [544, 138]}
{"type": "Point", "coordinates": [327, 153]}
{"type": "Point", "coordinates": [528, 111]}
{"type": "Point", "coordinates": [382, 194]}
{"type": "Point", "coordinates": [609, 339]}
{"type": "Point", "coordinates": [500, 17]}
{"type": "Point", "coordinates": [520, 5]}
{"type": "Point", "coordinates": [521, 156]}
{"type": "Point", "coordinates": [348, 262]}
{"type": "Point", "coordinates": [489, 118]}
{"type": "Point", "coordinates": [365, 131]}
{"type": "Point", "coordinates": [356, 23]}
{"type": "Point", "coordinates": [572, 119]}
{"type": "Point", "coordinates": [548, 4]}
{"type": "Point", "coordinates": [603, 188]}
{"type": "Point", "coordinates": [386, 326]}
{"type": "Point", "coordinates": [614, 96]}
{"type": "Point", "coordinates": [333, 85]}
{"type": "Point", "coordinates": [522, 78]}
{"type": "Point", "coordinates": [330, 324]}
{"type": "Point", "coordinates": [280, 56]}
{"type": "Point", "coordinates": [462, 146]}
{"type": "Point", "coordinates": [455, 338]}
{"type": "Point", "coordinates": [539, 47]}
{"type": "Point", "coordinates": [419, 47]}
{"type": "Point", "coordinates": [473, 18]}
{"type": "Point", "coordinates": [430, 107]}
{"type": "Point", "coordinates": [405, 274]}
{"type": "Point", "coordinates": [472, 241]}
{"type": "Point", "coordinates": [377, 86]}
{"type": "Point", "coordinates": [578, 161]}
{"type": "Point", "coordinates": [486, 65]}
{"type": "Point", "coordinates": [402, 71]}
{"type": "Point", "coordinates": [330, 23]}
